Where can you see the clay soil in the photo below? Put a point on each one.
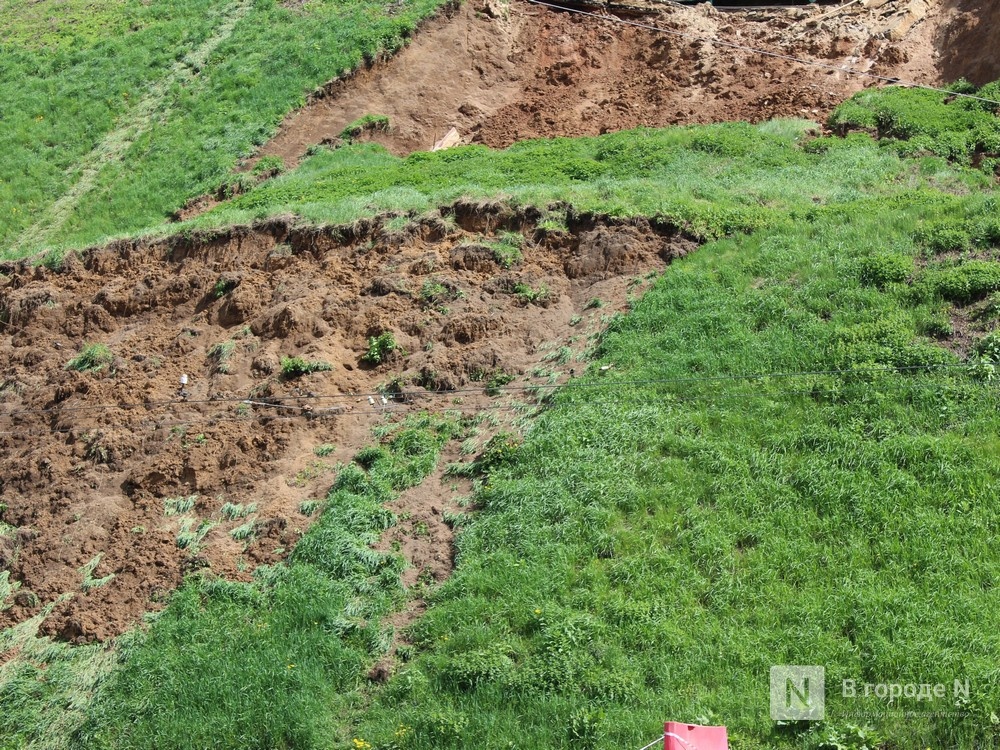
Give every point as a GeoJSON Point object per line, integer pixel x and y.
{"type": "Point", "coordinates": [499, 72]}
{"type": "Point", "coordinates": [93, 462]}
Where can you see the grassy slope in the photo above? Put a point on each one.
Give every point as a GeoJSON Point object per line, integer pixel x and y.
{"type": "Point", "coordinates": [653, 548]}
{"type": "Point", "coordinates": [75, 75]}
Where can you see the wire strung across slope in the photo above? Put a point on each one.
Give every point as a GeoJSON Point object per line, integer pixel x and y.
{"type": "Point", "coordinates": [396, 407]}
{"type": "Point", "coordinates": [764, 52]}
{"type": "Point", "coordinates": [450, 392]}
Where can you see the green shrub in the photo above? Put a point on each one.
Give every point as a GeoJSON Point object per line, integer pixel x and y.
{"type": "Point", "coordinates": [92, 357]}
{"type": "Point", "coordinates": [880, 269]}
{"type": "Point", "coordinates": [380, 347]}
{"type": "Point", "coordinates": [944, 236]}
{"type": "Point", "coordinates": [294, 367]}
{"type": "Point", "coordinates": [223, 287]}
{"type": "Point", "coordinates": [971, 281]}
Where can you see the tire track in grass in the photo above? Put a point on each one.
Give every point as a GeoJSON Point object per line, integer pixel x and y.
{"type": "Point", "coordinates": [138, 121]}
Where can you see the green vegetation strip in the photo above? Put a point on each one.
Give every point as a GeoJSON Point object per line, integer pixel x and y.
{"type": "Point", "coordinates": [113, 114]}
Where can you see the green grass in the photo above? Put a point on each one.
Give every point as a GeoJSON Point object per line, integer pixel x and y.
{"type": "Point", "coordinates": [652, 549]}
{"type": "Point", "coordinates": [769, 461]}
{"type": "Point", "coordinates": [712, 180]}
{"type": "Point", "coordinates": [275, 663]}
{"type": "Point", "coordinates": [127, 108]}
{"type": "Point", "coordinates": [91, 358]}
{"type": "Point", "coordinates": [295, 367]}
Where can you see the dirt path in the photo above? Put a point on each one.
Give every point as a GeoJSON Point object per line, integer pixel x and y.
{"type": "Point", "coordinates": [499, 72]}
{"type": "Point", "coordinates": [114, 486]}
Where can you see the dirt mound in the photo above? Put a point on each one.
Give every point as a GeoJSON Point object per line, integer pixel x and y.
{"type": "Point", "coordinates": [116, 483]}
{"type": "Point", "coordinates": [500, 72]}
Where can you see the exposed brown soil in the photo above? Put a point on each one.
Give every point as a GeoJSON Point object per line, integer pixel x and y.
{"type": "Point", "coordinates": [499, 72]}
{"type": "Point", "coordinates": [89, 459]}
{"type": "Point", "coordinates": [92, 461]}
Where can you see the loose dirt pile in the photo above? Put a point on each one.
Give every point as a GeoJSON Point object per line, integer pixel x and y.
{"type": "Point", "coordinates": [111, 472]}
{"type": "Point", "coordinates": [499, 72]}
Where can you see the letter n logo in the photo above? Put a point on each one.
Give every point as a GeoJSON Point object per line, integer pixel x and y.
{"type": "Point", "coordinates": [798, 693]}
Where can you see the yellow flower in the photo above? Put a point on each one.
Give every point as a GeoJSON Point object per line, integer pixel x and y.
{"type": "Point", "coordinates": [291, 666]}
{"type": "Point", "coordinates": [360, 744]}
{"type": "Point", "coordinates": [538, 611]}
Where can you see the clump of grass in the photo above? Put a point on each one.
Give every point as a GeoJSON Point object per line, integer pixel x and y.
{"type": "Point", "coordinates": [560, 356]}
{"type": "Point", "coordinates": [268, 166]}
{"type": "Point", "coordinates": [507, 249]}
{"type": "Point", "coordinates": [594, 303]}
{"type": "Point", "coordinates": [192, 533]}
{"type": "Point", "coordinates": [220, 354]}
{"type": "Point", "coordinates": [294, 367]}
{"type": "Point", "coordinates": [309, 507]}
{"type": "Point", "coordinates": [325, 449]}
{"type": "Point", "coordinates": [497, 381]}
{"type": "Point", "coordinates": [91, 358]}
{"type": "Point", "coordinates": [233, 511]}
{"type": "Point", "coordinates": [245, 532]}
{"type": "Point", "coordinates": [87, 571]}
{"type": "Point", "coordinates": [528, 295]}
{"type": "Point", "coordinates": [366, 124]}
{"type": "Point", "coordinates": [176, 506]}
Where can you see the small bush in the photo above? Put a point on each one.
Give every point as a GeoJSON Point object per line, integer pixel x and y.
{"type": "Point", "coordinates": [968, 282]}
{"type": "Point", "coordinates": [380, 347]}
{"type": "Point", "coordinates": [883, 268]}
{"type": "Point", "coordinates": [92, 357]}
{"type": "Point", "coordinates": [943, 236]}
{"type": "Point", "coordinates": [294, 367]}
{"type": "Point", "coordinates": [223, 287]}
{"type": "Point", "coordinates": [324, 450]}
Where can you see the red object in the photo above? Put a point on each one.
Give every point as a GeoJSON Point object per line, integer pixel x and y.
{"type": "Point", "coordinates": [677, 736]}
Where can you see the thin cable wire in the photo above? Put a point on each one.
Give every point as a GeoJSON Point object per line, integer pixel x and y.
{"type": "Point", "coordinates": [765, 53]}
{"type": "Point", "coordinates": [395, 408]}
{"type": "Point", "coordinates": [444, 392]}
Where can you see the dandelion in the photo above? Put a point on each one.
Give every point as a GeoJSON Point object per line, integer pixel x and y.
{"type": "Point", "coordinates": [291, 666]}
{"type": "Point", "coordinates": [360, 744]}
{"type": "Point", "coordinates": [538, 611]}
